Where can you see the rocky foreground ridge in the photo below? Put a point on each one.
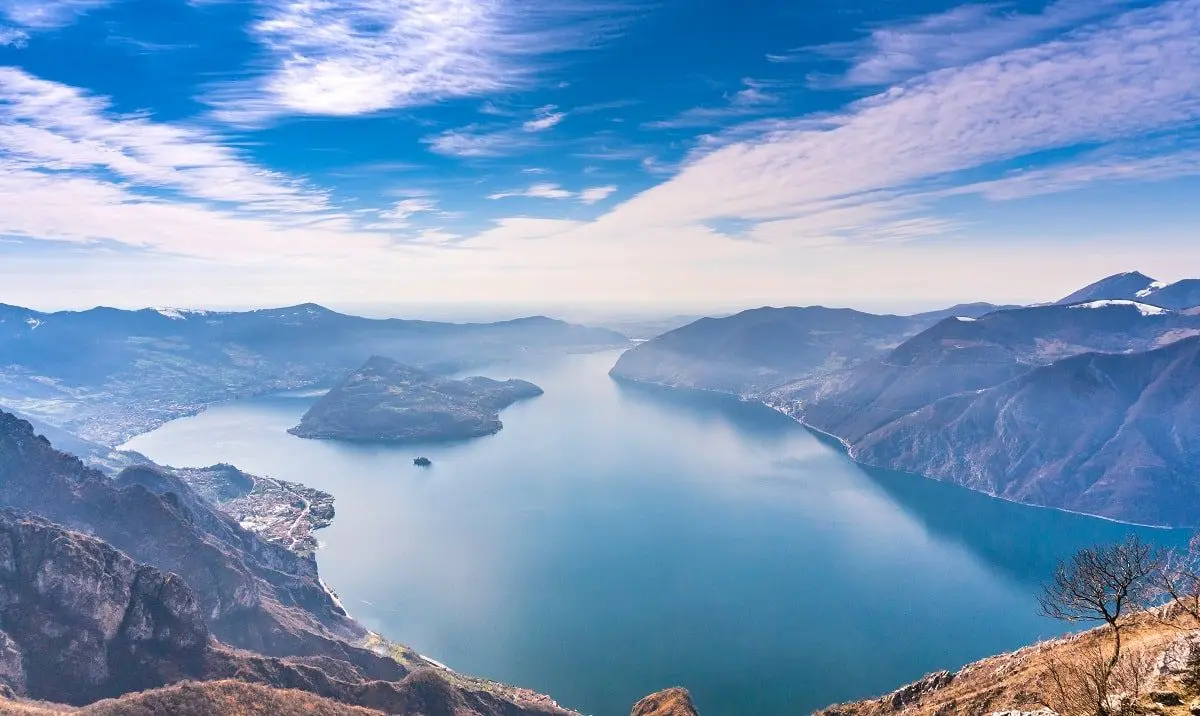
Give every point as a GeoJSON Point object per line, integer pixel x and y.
{"type": "Point", "coordinates": [387, 401]}
{"type": "Point", "coordinates": [116, 584]}
{"type": "Point", "coordinates": [1164, 682]}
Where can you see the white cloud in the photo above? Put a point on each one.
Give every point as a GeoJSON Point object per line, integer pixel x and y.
{"type": "Point", "coordinates": [554, 191]}
{"type": "Point", "coordinates": [73, 170]}
{"type": "Point", "coordinates": [351, 57]}
{"type": "Point", "coordinates": [964, 34]}
{"type": "Point", "coordinates": [478, 142]}
{"type": "Point", "coordinates": [536, 191]}
{"type": "Point", "coordinates": [405, 208]}
{"type": "Point", "coordinates": [56, 127]}
{"type": "Point", "coordinates": [755, 98]}
{"type": "Point", "coordinates": [546, 118]}
{"type": "Point", "coordinates": [596, 193]}
{"type": "Point", "coordinates": [1124, 78]}
{"type": "Point", "coordinates": [1095, 167]}
{"type": "Point", "coordinates": [44, 14]}
{"type": "Point", "coordinates": [13, 37]}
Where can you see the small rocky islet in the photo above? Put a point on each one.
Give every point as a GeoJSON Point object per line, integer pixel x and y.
{"type": "Point", "coordinates": [388, 401]}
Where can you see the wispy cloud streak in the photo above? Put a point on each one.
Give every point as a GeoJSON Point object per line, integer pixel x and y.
{"type": "Point", "coordinates": [353, 57]}
{"type": "Point", "coordinates": [895, 52]}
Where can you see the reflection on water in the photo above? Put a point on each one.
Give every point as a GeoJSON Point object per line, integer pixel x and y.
{"type": "Point", "coordinates": [614, 539]}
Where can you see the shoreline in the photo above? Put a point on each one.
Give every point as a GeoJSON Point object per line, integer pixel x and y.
{"type": "Point", "coordinates": [848, 451]}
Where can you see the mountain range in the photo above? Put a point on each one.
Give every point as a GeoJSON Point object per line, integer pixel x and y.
{"type": "Point", "coordinates": [762, 347]}
{"type": "Point", "coordinates": [106, 374]}
{"type": "Point", "coordinates": [1136, 286]}
{"type": "Point", "coordinates": [989, 397]}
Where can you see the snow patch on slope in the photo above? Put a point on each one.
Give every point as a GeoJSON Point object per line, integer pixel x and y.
{"type": "Point", "coordinates": [1155, 286]}
{"type": "Point", "coordinates": [1143, 308]}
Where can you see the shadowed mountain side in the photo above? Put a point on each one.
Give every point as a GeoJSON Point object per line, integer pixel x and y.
{"type": "Point", "coordinates": [1128, 447]}
{"type": "Point", "coordinates": [761, 347]}
{"type": "Point", "coordinates": [958, 356]}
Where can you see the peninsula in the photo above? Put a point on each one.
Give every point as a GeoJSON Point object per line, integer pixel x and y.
{"type": "Point", "coordinates": [388, 401]}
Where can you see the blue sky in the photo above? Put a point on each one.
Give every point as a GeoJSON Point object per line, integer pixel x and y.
{"type": "Point", "coordinates": [679, 153]}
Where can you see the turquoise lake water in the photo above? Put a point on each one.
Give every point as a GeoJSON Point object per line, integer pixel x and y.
{"type": "Point", "coordinates": [614, 540]}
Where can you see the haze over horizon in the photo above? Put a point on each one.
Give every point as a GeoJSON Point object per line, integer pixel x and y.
{"type": "Point", "coordinates": [667, 155]}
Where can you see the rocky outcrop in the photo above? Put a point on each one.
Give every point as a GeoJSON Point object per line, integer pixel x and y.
{"type": "Point", "coordinates": [387, 401]}
{"type": "Point", "coordinates": [253, 594]}
{"type": "Point", "coordinates": [81, 621]}
{"type": "Point", "coordinates": [670, 702]}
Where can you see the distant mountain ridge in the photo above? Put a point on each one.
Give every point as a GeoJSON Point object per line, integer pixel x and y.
{"type": "Point", "coordinates": [106, 374]}
{"type": "Point", "coordinates": [1137, 286]}
{"type": "Point", "coordinates": [880, 384]}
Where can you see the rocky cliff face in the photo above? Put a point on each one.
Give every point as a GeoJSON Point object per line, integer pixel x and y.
{"type": "Point", "coordinates": [253, 595]}
{"type": "Point", "coordinates": [387, 401]}
{"type": "Point", "coordinates": [81, 621]}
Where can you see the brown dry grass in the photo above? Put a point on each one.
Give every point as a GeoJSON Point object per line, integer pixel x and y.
{"type": "Point", "coordinates": [214, 698]}
{"type": "Point", "coordinates": [671, 702]}
{"type": "Point", "coordinates": [1020, 680]}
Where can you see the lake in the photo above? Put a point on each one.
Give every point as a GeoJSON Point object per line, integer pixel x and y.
{"type": "Point", "coordinates": [614, 540]}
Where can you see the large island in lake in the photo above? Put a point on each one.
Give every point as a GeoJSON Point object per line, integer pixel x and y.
{"type": "Point", "coordinates": [389, 401]}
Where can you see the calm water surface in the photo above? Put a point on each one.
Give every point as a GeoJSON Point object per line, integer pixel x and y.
{"type": "Point", "coordinates": [615, 540]}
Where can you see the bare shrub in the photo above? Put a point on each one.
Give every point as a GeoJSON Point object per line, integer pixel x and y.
{"type": "Point", "coordinates": [1090, 685]}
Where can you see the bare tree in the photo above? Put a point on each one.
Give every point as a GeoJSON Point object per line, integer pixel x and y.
{"type": "Point", "coordinates": [1177, 580]}
{"type": "Point", "coordinates": [1103, 584]}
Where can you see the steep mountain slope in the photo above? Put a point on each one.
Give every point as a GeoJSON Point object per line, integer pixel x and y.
{"type": "Point", "coordinates": [761, 347]}
{"type": "Point", "coordinates": [957, 355]}
{"type": "Point", "coordinates": [210, 698]}
{"type": "Point", "coordinates": [386, 400]}
{"type": "Point", "coordinates": [1111, 435]}
{"type": "Point", "coordinates": [82, 621]}
{"type": "Point", "coordinates": [250, 593]}
{"type": "Point", "coordinates": [1135, 286]}
{"type": "Point", "coordinates": [1130, 285]}
{"type": "Point", "coordinates": [106, 374]}
{"type": "Point", "coordinates": [1019, 683]}
{"type": "Point", "coordinates": [1180, 295]}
